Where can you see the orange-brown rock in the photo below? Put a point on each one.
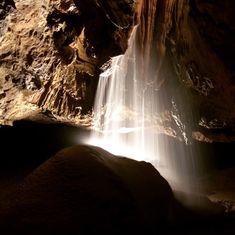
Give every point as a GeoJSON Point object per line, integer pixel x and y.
{"type": "Point", "coordinates": [51, 53]}
{"type": "Point", "coordinates": [193, 46]}
{"type": "Point", "coordinates": [199, 46]}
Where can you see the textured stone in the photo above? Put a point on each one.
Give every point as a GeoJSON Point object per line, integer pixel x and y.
{"type": "Point", "coordinates": [194, 50]}
{"type": "Point", "coordinates": [51, 52]}
{"type": "Point", "coordinates": [201, 68]}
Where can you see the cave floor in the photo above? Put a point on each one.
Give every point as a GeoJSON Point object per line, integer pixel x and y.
{"type": "Point", "coordinates": [34, 149]}
{"type": "Point", "coordinates": [206, 224]}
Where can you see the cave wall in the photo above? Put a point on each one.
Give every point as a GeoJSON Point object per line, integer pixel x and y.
{"type": "Point", "coordinates": [199, 49]}
{"type": "Point", "coordinates": [51, 54]}
{"type": "Point", "coordinates": [194, 44]}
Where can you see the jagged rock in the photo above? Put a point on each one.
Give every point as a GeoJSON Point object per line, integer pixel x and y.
{"type": "Point", "coordinates": [51, 52]}
{"type": "Point", "coordinates": [199, 45]}
{"type": "Point", "coordinates": [86, 190]}
{"type": "Point", "coordinates": [194, 47]}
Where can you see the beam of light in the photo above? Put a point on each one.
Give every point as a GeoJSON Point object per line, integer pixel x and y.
{"type": "Point", "coordinates": [117, 149]}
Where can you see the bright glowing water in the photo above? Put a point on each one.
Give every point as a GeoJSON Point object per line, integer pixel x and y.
{"type": "Point", "coordinates": [125, 112]}
{"type": "Point", "coordinates": [123, 109]}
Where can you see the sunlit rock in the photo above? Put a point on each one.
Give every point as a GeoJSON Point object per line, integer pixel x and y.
{"type": "Point", "coordinates": [50, 55]}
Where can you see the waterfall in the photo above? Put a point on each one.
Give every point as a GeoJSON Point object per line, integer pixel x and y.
{"type": "Point", "coordinates": [126, 107]}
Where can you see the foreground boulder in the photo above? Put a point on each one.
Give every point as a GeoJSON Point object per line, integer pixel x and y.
{"type": "Point", "coordinates": [86, 190]}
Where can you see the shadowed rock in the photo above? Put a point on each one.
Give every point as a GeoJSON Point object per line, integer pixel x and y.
{"type": "Point", "coordinates": [86, 190]}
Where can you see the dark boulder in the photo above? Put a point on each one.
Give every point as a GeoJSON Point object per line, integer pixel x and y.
{"type": "Point", "coordinates": [86, 190]}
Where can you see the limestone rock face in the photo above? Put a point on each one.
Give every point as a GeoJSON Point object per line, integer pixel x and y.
{"type": "Point", "coordinates": [86, 190]}
{"type": "Point", "coordinates": [196, 43]}
{"type": "Point", "coordinates": [51, 53]}
{"type": "Point", "coordinates": [192, 54]}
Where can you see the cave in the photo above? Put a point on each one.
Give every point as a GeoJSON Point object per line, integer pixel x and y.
{"type": "Point", "coordinates": [117, 117]}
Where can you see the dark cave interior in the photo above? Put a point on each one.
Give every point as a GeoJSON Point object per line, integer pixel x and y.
{"type": "Point", "coordinates": [27, 145]}
{"type": "Point", "coordinates": [51, 182]}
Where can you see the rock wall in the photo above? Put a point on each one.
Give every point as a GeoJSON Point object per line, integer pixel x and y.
{"type": "Point", "coordinates": [86, 190]}
{"type": "Point", "coordinates": [51, 53]}
{"type": "Point", "coordinates": [199, 47]}
{"type": "Point", "coordinates": [194, 44]}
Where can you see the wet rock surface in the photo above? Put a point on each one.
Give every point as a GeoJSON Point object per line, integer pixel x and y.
{"type": "Point", "coordinates": [199, 47]}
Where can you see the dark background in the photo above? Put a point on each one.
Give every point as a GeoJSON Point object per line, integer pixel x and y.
{"type": "Point", "coordinates": [28, 144]}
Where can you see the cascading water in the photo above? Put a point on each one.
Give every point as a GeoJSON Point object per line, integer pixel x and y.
{"type": "Point", "coordinates": [123, 109]}
{"type": "Point", "coordinates": [126, 105]}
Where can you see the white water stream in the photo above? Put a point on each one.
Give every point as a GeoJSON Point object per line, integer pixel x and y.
{"type": "Point", "coordinates": [126, 109]}
{"type": "Point", "coordinates": [123, 110]}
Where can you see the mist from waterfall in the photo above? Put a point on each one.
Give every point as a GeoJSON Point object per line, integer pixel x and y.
{"type": "Point", "coordinates": [126, 111]}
